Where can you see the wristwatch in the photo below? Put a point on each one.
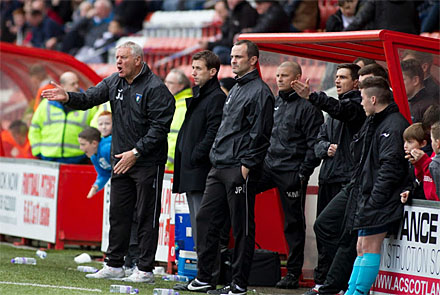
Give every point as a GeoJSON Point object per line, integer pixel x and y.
{"type": "Point", "coordinates": [136, 153]}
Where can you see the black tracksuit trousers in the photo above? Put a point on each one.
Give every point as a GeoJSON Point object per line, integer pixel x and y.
{"type": "Point", "coordinates": [139, 187]}
{"type": "Point", "coordinates": [293, 197]}
{"type": "Point", "coordinates": [338, 246]}
{"type": "Point", "coordinates": [226, 191]}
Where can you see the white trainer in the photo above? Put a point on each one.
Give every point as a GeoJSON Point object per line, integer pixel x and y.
{"type": "Point", "coordinates": [107, 272]}
{"type": "Point", "coordinates": [139, 276]}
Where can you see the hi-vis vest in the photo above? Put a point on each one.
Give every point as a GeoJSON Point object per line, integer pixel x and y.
{"type": "Point", "coordinates": [54, 134]}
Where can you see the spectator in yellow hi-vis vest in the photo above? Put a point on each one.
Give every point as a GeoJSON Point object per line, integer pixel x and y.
{"type": "Point", "coordinates": [54, 129]}
{"type": "Point", "coordinates": [179, 86]}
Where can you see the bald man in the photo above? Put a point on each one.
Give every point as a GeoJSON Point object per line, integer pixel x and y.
{"type": "Point", "coordinates": [290, 161]}
{"type": "Point", "coordinates": [54, 129]}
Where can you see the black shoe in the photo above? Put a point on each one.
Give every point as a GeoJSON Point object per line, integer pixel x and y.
{"type": "Point", "coordinates": [224, 290]}
{"type": "Point", "coordinates": [197, 287]}
{"type": "Point", "coordinates": [312, 291]}
{"type": "Point", "coordinates": [181, 287]}
{"type": "Point", "coordinates": [290, 281]}
{"type": "Point", "coordinates": [235, 291]}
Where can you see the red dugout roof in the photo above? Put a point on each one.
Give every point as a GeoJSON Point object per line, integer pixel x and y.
{"type": "Point", "coordinates": [340, 47]}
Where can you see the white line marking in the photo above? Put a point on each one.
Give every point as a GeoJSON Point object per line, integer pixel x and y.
{"type": "Point", "coordinates": [51, 286]}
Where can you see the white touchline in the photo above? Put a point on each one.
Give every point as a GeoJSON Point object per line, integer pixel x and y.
{"type": "Point", "coordinates": [51, 286]}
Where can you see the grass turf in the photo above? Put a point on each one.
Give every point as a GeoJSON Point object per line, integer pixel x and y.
{"type": "Point", "coordinates": [58, 269]}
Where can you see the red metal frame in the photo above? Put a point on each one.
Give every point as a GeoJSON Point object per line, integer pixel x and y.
{"type": "Point", "coordinates": [340, 47]}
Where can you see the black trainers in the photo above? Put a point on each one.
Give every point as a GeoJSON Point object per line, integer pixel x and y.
{"type": "Point", "coordinates": [236, 291]}
{"type": "Point", "coordinates": [290, 281]}
{"type": "Point", "coordinates": [195, 286]}
{"type": "Point", "coordinates": [224, 290]}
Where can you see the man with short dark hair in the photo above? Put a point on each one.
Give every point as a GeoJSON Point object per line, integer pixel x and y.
{"type": "Point", "coordinates": [237, 156]}
{"type": "Point", "coordinates": [418, 97]}
{"type": "Point", "coordinates": [371, 70]}
{"type": "Point", "coordinates": [195, 138]}
{"type": "Point", "coordinates": [142, 110]}
{"type": "Point", "coordinates": [346, 117]}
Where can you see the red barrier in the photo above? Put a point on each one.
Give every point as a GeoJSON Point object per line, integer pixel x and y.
{"type": "Point", "coordinates": [79, 220]}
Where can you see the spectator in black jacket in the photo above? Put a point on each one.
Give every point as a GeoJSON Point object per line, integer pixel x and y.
{"type": "Point", "coordinates": [418, 97]}
{"type": "Point", "coordinates": [272, 19]}
{"type": "Point", "coordinates": [237, 156]}
{"type": "Point", "coordinates": [338, 21]}
{"type": "Point", "coordinates": [333, 146]}
{"type": "Point", "coordinates": [379, 178]}
{"type": "Point", "coordinates": [290, 161]}
{"type": "Point", "coordinates": [241, 15]}
{"type": "Point", "coordinates": [388, 14]}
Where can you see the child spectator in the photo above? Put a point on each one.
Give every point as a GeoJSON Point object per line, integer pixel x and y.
{"type": "Point", "coordinates": [414, 138]}
{"type": "Point", "coordinates": [338, 21]}
{"type": "Point", "coordinates": [434, 167]}
{"type": "Point", "coordinates": [421, 162]}
{"type": "Point", "coordinates": [98, 150]}
{"type": "Point", "coordinates": [15, 141]}
{"type": "Point", "coordinates": [105, 123]}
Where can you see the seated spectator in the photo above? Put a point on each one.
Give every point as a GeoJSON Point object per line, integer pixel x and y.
{"type": "Point", "coordinates": [88, 29]}
{"type": "Point", "coordinates": [430, 17]}
{"type": "Point", "coordinates": [45, 31]}
{"type": "Point", "coordinates": [6, 18]}
{"type": "Point", "coordinates": [173, 5]}
{"type": "Point", "coordinates": [387, 14]}
{"type": "Point", "coordinates": [241, 15]}
{"type": "Point", "coordinates": [15, 141]}
{"type": "Point", "coordinates": [40, 81]}
{"type": "Point", "coordinates": [418, 98]}
{"type": "Point", "coordinates": [304, 14]}
{"type": "Point", "coordinates": [426, 60]}
{"type": "Point", "coordinates": [19, 27]}
{"type": "Point", "coordinates": [272, 18]}
{"type": "Point", "coordinates": [131, 14]}
{"type": "Point", "coordinates": [338, 21]}
{"type": "Point", "coordinates": [221, 10]}
{"type": "Point", "coordinates": [98, 53]}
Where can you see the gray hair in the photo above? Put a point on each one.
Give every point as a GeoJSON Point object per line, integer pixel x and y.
{"type": "Point", "coordinates": [136, 50]}
{"type": "Point", "coordinates": [183, 79]}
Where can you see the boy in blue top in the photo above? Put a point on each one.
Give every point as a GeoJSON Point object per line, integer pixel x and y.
{"type": "Point", "coordinates": [98, 150]}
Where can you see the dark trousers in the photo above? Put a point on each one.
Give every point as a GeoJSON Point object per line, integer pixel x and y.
{"type": "Point", "coordinates": [326, 193]}
{"type": "Point", "coordinates": [140, 187]}
{"type": "Point", "coordinates": [226, 191]}
{"type": "Point", "coordinates": [337, 245]}
{"type": "Point", "coordinates": [293, 197]}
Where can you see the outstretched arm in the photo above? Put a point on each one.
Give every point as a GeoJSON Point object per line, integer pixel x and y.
{"type": "Point", "coordinates": [57, 94]}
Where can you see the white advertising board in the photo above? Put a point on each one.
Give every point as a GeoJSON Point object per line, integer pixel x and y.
{"type": "Point", "coordinates": [28, 198]}
{"type": "Point", "coordinates": [410, 262]}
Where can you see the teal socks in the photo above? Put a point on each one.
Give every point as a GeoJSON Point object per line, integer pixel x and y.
{"type": "Point", "coordinates": [354, 276]}
{"type": "Point", "coordinates": [369, 268]}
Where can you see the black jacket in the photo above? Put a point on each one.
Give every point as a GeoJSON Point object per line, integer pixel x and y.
{"type": "Point", "coordinates": [419, 103]}
{"type": "Point", "coordinates": [296, 125]}
{"type": "Point", "coordinates": [274, 20]}
{"type": "Point", "coordinates": [202, 119]}
{"type": "Point", "coordinates": [335, 23]}
{"type": "Point", "coordinates": [381, 172]}
{"type": "Point", "coordinates": [244, 134]}
{"type": "Point", "coordinates": [243, 16]}
{"type": "Point", "coordinates": [346, 118]}
{"type": "Point", "coordinates": [141, 113]}
{"type": "Point", "coordinates": [395, 15]}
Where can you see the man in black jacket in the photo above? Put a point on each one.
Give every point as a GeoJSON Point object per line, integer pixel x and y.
{"type": "Point", "coordinates": [334, 138]}
{"type": "Point", "coordinates": [290, 161]}
{"type": "Point", "coordinates": [380, 175]}
{"type": "Point", "coordinates": [237, 156]}
{"type": "Point", "coordinates": [272, 18]}
{"type": "Point", "coordinates": [195, 138]}
{"type": "Point", "coordinates": [142, 109]}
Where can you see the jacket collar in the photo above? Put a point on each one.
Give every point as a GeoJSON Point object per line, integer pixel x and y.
{"type": "Point", "coordinates": [252, 75]}
{"type": "Point", "coordinates": [391, 108]}
{"type": "Point", "coordinates": [350, 94]}
{"type": "Point", "coordinates": [207, 88]}
{"type": "Point", "coordinates": [289, 95]}
{"type": "Point", "coordinates": [145, 70]}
